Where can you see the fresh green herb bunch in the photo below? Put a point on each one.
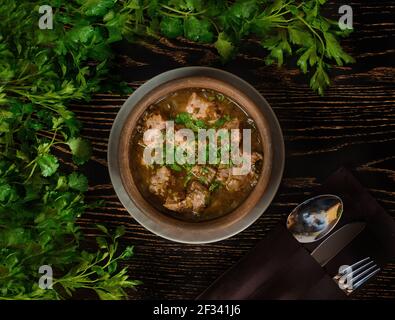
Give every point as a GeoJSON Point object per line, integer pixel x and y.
{"type": "Point", "coordinates": [283, 27]}
{"type": "Point", "coordinates": [40, 71]}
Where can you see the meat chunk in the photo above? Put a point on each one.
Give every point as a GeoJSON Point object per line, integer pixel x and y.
{"type": "Point", "coordinates": [195, 200]}
{"type": "Point", "coordinates": [204, 174]}
{"type": "Point", "coordinates": [160, 182]}
{"type": "Point", "coordinates": [180, 141]}
{"type": "Point", "coordinates": [175, 202]}
{"type": "Point", "coordinates": [201, 108]}
{"type": "Point", "coordinates": [152, 137]}
{"type": "Point", "coordinates": [232, 124]}
{"type": "Point", "coordinates": [255, 157]}
{"type": "Point", "coordinates": [234, 182]}
{"type": "Point", "coordinates": [174, 205]}
{"type": "Point", "coordinates": [155, 121]}
{"type": "Point", "coordinates": [238, 182]}
{"type": "Point", "coordinates": [197, 196]}
{"type": "Point", "coordinates": [152, 142]}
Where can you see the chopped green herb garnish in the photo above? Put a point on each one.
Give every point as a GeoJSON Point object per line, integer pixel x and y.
{"type": "Point", "coordinates": [189, 122]}
{"type": "Point", "coordinates": [200, 124]}
{"type": "Point", "coordinates": [203, 180]}
{"type": "Point", "coordinates": [187, 178]}
{"type": "Point", "coordinates": [215, 185]}
{"type": "Point", "coordinates": [175, 167]}
{"type": "Point", "coordinates": [221, 121]}
{"type": "Point", "coordinates": [205, 170]}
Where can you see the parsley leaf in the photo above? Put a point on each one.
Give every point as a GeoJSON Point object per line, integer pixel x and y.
{"type": "Point", "coordinates": [97, 7]}
{"type": "Point", "coordinates": [284, 28]}
{"type": "Point", "coordinates": [78, 182]}
{"type": "Point", "coordinates": [81, 150]}
{"type": "Point", "coordinates": [198, 29]}
{"type": "Point", "coordinates": [171, 27]}
{"type": "Point", "coordinates": [224, 46]}
{"type": "Point", "coordinates": [40, 201]}
{"type": "Point", "coordinates": [188, 121]}
{"type": "Point", "coordinates": [48, 164]}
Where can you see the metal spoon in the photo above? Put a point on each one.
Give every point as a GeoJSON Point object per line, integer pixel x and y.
{"type": "Point", "coordinates": [315, 218]}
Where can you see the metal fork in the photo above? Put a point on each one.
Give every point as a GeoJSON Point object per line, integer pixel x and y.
{"type": "Point", "coordinates": [352, 277]}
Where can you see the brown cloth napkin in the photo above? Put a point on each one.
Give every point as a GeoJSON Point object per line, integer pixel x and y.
{"type": "Point", "coordinates": [279, 267]}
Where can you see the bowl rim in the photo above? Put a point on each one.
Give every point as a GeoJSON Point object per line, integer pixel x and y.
{"type": "Point", "coordinates": [184, 232]}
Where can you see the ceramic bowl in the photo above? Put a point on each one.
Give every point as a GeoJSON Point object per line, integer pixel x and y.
{"type": "Point", "coordinates": [250, 101]}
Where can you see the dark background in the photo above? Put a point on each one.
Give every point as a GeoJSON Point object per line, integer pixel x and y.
{"type": "Point", "coordinates": [353, 125]}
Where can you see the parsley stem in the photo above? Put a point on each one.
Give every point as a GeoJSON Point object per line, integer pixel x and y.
{"type": "Point", "coordinates": [215, 25]}
{"type": "Point", "coordinates": [283, 6]}
{"type": "Point", "coordinates": [189, 13]}
{"type": "Point", "coordinates": [171, 14]}
{"type": "Point", "coordinates": [31, 172]}
{"type": "Point", "coordinates": [315, 33]}
{"type": "Point", "coordinates": [52, 141]}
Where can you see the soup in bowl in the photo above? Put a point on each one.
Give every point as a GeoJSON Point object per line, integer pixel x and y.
{"type": "Point", "coordinates": [184, 181]}
{"type": "Point", "coordinates": [192, 156]}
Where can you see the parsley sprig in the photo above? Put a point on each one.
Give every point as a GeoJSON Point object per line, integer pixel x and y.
{"type": "Point", "coordinates": [283, 27]}
{"type": "Point", "coordinates": [40, 200]}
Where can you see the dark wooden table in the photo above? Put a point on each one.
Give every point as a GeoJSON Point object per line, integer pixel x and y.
{"type": "Point", "coordinates": [353, 124]}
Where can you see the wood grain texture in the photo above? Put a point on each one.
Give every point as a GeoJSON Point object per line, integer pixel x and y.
{"type": "Point", "coordinates": [353, 125]}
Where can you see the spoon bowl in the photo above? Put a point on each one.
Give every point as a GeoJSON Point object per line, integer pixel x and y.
{"type": "Point", "coordinates": [315, 218]}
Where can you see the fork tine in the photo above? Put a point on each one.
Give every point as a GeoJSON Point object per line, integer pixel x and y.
{"type": "Point", "coordinates": [354, 265]}
{"type": "Point", "coordinates": [356, 272]}
{"type": "Point", "coordinates": [362, 271]}
{"type": "Point", "coordinates": [363, 280]}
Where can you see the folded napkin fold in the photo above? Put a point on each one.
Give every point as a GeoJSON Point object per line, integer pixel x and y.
{"type": "Point", "coordinates": [279, 267]}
